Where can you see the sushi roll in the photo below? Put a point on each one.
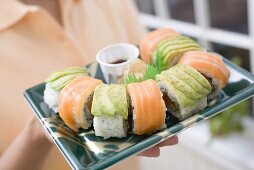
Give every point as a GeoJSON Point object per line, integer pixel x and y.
{"type": "Point", "coordinates": [211, 66]}
{"type": "Point", "coordinates": [147, 107]}
{"type": "Point", "coordinates": [75, 100]}
{"type": "Point", "coordinates": [171, 50]}
{"type": "Point", "coordinates": [149, 43]}
{"type": "Point", "coordinates": [56, 82]}
{"type": "Point", "coordinates": [184, 90]}
{"type": "Point", "coordinates": [137, 67]}
{"type": "Point", "coordinates": [110, 111]}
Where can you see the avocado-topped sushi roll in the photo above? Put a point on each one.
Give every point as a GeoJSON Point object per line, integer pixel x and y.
{"type": "Point", "coordinates": [75, 100]}
{"type": "Point", "coordinates": [184, 90]}
{"type": "Point", "coordinates": [148, 108]}
{"type": "Point", "coordinates": [150, 41]}
{"type": "Point", "coordinates": [57, 81]}
{"type": "Point", "coordinates": [110, 111]}
{"type": "Point", "coordinates": [211, 66]}
{"type": "Point", "coordinates": [171, 50]}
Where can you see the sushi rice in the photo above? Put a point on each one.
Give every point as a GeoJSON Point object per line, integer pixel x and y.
{"type": "Point", "coordinates": [51, 97]}
{"type": "Point", "coordinates": [110, 126]}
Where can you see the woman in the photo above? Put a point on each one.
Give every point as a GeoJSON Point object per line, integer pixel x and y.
{"type": "Point", "coordinates": [37, 37]}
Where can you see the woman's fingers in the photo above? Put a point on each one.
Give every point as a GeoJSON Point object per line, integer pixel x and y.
{"type": "Point", "coordinates": [152, 152]}
{"type": "Point", "coordinates": [171, 141]}
{"type": "Point", "coordinates": [38, 131]}
{"type": "Point", "coordinates": [155, 151]}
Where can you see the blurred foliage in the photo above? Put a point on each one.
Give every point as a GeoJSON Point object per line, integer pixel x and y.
{"type": "Point", "coordinates": [237, 60]}
{"type": "Point", "coordinates": [230, 120]}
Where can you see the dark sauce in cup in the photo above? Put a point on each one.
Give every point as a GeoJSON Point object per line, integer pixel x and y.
{"type": "Point", "coordinates": [118, 61]}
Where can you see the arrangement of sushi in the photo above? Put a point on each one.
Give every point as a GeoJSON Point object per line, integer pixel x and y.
{"type": "Point", "coordinates": [177, 76]}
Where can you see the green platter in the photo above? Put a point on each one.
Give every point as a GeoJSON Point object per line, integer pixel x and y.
{"type": "Point", "coordinates": [84, 150]}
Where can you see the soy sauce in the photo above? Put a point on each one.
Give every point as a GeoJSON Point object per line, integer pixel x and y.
{"type": "Point", "coordinates": [118, 61]}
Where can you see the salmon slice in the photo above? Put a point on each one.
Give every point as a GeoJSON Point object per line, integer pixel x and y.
{"type": "Point", "coordinates": [208, 64]}
{"type": "Point", "coordinates": [149, 110]}
{"type": "Point", "coordinates": [72, 99]}
{"type": "Point", "coordinates": [151, 41]}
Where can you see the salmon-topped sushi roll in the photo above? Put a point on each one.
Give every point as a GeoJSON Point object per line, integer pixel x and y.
{"type": "Point", "coordinates": [148, 108]}
{"type": "Point", "coordinates": [211, 66]}
{"type": "Point", "coordinates": [149, 43]}
{"type": "Point", "coordinates": [75, 100]}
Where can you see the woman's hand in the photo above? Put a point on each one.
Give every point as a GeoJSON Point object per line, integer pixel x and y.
{"type": "Point", "coordinates": [155, 151]}
{"type": "Point", "coordinates": [37, 131]}
{"type": "Point", "coordinates": [28, 150]}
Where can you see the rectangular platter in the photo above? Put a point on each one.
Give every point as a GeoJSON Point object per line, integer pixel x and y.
{"type": "Point", "coordinates": [84, 150]}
